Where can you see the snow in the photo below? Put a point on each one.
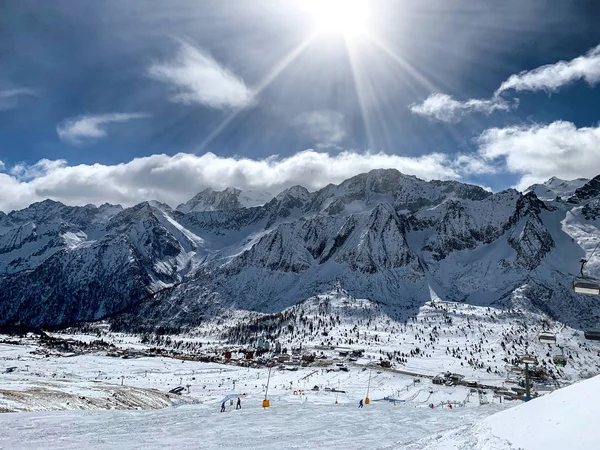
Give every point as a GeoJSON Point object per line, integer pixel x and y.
{"type": "Point", "coordinates": [310, 420]}
{"type": "Point", "coordinates": [556, 187]}
{"type": "Point", "coordinates": [285, 425]}
{"type": "Point", "coordinates": [297, 418]}
{"type": "Point", "coordinates": [230, 198]}
{"type": "Point", "coordinates": [564, 419]}
{"type": "Point", "coordinates": [76, 400]}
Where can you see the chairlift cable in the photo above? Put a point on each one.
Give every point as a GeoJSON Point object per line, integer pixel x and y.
{"type": "Point", "coordinates": [593, 251]}
{"type": "Point", "coordinates": [585, 260]}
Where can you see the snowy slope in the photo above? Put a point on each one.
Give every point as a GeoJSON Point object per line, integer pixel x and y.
{"type": "Point", "coordinates": [299, 417]}
{"type": "Point", "coordinates": [556, 187]}
{"type": "Point", "coordinates": [230, 198]}
{"type": "Point", "coordinates": [563, 419]}
{"type": "Point", "coordinates": [310, 420]}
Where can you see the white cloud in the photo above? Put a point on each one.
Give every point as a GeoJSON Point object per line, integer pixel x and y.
{"type": "Point", "coordinates": [549, 78]}
{"type": "Point", "coordinates": [535, 153]}
{"type": "Point", "coordinates": [538, 152]}
{"type": "Point", "coordinates": [24, 171]}
{"type": "Point", "coordinates": [9, 98]}
{"type": "Point", "coordinates": [196, 78]}
{"type": "Point", "coordinates": [445, 108]}
{"type": "Point", "coordinates": [325, 127]}
{"type": "Point", "coordinates": [175, 179]}
{"type": "Point", "coordinates": [2, 165]}
{"type": "Point", "coordinates": [87, 128]}
{"type": "Point", "coordinates": [553, 76]}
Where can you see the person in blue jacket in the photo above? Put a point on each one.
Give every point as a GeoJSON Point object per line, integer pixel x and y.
{"type": "Point", "coordinates": [360, 404]}
{"type": "Point", "coordinates": [223, 407]}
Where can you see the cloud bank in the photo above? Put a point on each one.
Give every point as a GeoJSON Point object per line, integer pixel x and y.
{"type": "Point", "coordinates": [534, 153]}
{"type": "Point", "coordinates": [175, 179]}
{"type": "Point", "coordinates": [538, 152]}
{"type": "Point", "coordinates": [87, 128]}
{"type": "Point", "coordinates": [194, 77]}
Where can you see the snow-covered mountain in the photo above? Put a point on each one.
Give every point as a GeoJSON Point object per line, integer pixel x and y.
{"type": "Point", "coordinates": [230, 198]}
{"type": "Point", "coordinates": [382, 235]}
{"type": "Point", "coordinates": [556, 188]}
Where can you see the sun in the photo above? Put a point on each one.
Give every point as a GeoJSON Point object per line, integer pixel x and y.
{"type": "Point", "coordinates": [342, 17]}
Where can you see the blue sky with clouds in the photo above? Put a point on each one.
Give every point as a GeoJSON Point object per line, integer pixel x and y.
{"type": "Point", "coordinates": [122, 101]}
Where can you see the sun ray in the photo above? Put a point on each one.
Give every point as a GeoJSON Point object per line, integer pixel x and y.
{"type": "Point", "coordinates": [358, 86]}
{"type": "Point", "coordinates": [403, 63]}
{"type": "Point", "coordinates": [260, 87]}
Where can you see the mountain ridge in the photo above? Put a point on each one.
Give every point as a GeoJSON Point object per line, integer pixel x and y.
{"type": "Point", "coordinates": [383, 235]}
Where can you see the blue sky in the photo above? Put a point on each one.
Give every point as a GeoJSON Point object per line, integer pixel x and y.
{"type": "Point", "coordinates": [123, 101]}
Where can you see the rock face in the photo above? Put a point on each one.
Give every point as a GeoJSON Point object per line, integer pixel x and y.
{"type": "Point", "coordinates": [589, 190]}
{"type": "Point", "coordinates": [382, 235]}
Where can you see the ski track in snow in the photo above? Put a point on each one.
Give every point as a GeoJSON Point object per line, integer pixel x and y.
{"type": "Point", "coordinates": [283, 426]}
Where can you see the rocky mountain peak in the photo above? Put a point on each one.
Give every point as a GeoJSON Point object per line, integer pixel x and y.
{"type": "Point", "coordinates": [225, 200]}
{"type": "Point", "coordinates": [589, 190]}
{"type": "Point", "coordinates": [556, 188]}
{"type": "Point", "coordinates": [294, 192]}
{"type": "Point", "coordinates": [384, 235]}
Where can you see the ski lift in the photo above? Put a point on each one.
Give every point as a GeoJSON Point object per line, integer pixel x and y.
{"type": "Point", "coordinates": [547, 338]}
{"type": "Point", "coordinates": [559, 360]}
{"type": "Point", "coordinates": [584, 284]}
{"type": "Point", "coordinates": [528, 359]}
{"type": "Point", "coordinates": [592, 335]}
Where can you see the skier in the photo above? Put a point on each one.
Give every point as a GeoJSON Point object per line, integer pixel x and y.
{"type": "Point", "coordinates": [431, 405]}
{"type": "Point", "coordinates": [450, 405]}
{"type": "Point", "coordinates": [223, 407]}
{"type": "Point", "coordinates": [239, 404]}
{"type": "Point", "coordinates": [360, 404]}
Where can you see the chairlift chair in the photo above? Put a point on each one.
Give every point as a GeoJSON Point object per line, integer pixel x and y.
{"type": "Point", "coordinates": [584, 284]}
{"type": "Point", "coordinates": [592, 335]}
{"type": "Point", "coordinates": [547, 338]}
{"type": "Point", "coordinates": [559, 360]}
{"type": "Point", "coordinates": [528, 359]}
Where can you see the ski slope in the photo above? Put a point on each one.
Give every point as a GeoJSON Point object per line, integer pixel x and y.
{"type": "Point", "coordinates": [286, 425]}
{"type": "Point", "coordinates": [564, 419]}
{"type": "Point", "coordinates": [71, 404]}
